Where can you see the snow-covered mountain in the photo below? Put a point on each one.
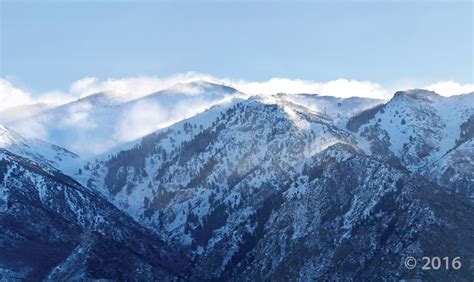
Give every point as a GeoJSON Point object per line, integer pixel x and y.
{"type": "Point", "coordinates": [98, 122]}
{"type": "Point", "coordinates": [355, 219]}
{"type": "Point", "coordinates": [427, 133]}
{"type": "Point", "coordinates": [271, 187]}
{"type": "Point", "coordinates": [54, 228]}
{"type": "Point", "coordinates": [268, 169]}
{"type": "Point", "coordinates": [247, 136]}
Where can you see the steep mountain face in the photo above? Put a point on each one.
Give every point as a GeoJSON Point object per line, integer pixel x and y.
{"type": "Point", "coordinates": [185, 181]}
{"type": "Point", "coordinates": [357, 218]}
{"type": "Point", "coordinates": [267, 188]}
{"type": "Point", "coordinates": [54, 228]}
{"type": "Point", "coordinates": [455, 169]}
{"type": "Point", "coordinates": [101, 121]}
{"type": "Point", "coordinates": [427, 133]}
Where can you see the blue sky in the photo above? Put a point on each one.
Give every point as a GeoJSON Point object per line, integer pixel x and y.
{"type": "Point", "coordinates": [47, 45]}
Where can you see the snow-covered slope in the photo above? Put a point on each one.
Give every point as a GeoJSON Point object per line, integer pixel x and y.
{"type": "Point", "coordinates": [455, 169]}
{"type": "Point", "coordinates": [263, 135]}
{"type": "Point", "coordinates": [417, 126]}
{"type": "Point", "coordinates": [425, 133]}
{"type": "Point", "coordinates": [276, 187]}
{"type": "Point", "coordinates": [46, 154]}
{"type": "Point", "coordinates": [98, 122]}
{"type": "Point", "coordinates": [48, 219]}
{"type": "Point", "coordinates": [338, 109]}
{"type": "Point", "coordinates": [354, 219]}
{"type": "Point", "coordinates": [268, 169]}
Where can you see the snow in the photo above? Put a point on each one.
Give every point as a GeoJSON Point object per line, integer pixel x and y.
{"type": "Point", "coordinates": [4, 191]}
{"type": "Point", "coordinates": [9, 138]}
{"type": "Point", "coordinates": [338, 109]}
{"type": "Point", "coordinates": [102, 121]}
{"type": "Point", "coordinates": [302, 133]}
{"type": "Point", "coordinates": [47, 154]}
{"type": "Point", "coordinates": [250, 150]}
{"type": "Point", "coordinates": [420, 120]}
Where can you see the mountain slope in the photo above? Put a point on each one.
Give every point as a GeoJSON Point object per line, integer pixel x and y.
{"type": "Point", "coordinates": [211, 160]}
{"type": "Point", "coordinates": [266, 170]}
{"type": "Point", "coordinates": [264, 189]}
{"type": "Point", "coordinates": [358, 219]}
{"type": "Point", "coordinates": [455, 169]}
{"type": "Point", "coordinates": [99, 122]}
{"type": "Point", "coordinates": [418, 126]}
{"type": "Point", "coordinates": [48, 155]}
{"type": "Point", "coordinates": [425, 133]}
{"type": "Point", "coordinates": [338, 109]}
{"type": "Point", "coordinates": [47, 218]}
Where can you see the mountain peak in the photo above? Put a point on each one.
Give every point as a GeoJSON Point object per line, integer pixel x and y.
{"type": "Point", "coordinates": [200, 87]}
{"type": "Point", "coordinates": [418, 94]}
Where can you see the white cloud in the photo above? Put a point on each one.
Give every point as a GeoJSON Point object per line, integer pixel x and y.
{"type": "Point", "coordinates": [55, 98]}
{"type": "Point", "coordinates": [186, 89]}
{"type": "Point", "coordinates": [101, 130]}
{"type": "Point", "coordinates": [78, 116]}
{"type": "Point", "coordinates": [140, 120]}
{"type": "Point", "coordinates": [145, 117]}
{"type": "Point", "coordinates": [449, 88]}
{"type": "Point", "coordinates": [11, 96]}
{"type": "Point", "coordinates": [132, 87]}
{"type": "Point", "coordinates": [339, 87]}
{"type": "Point", "coordinates": [83, 85]}
{"type": "Point", "coordinates": [135, 87]}
{"type": "Point", "coordinates": [34, 128]}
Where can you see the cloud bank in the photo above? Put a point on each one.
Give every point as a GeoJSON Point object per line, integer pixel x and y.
{"type": "Point", "coordinates": [103, 128]}
{"type": "Point", "coordinates": [339, 87]}
{"type": "Point", "coordinates": [450, 88]}
{"type": "Point", "coordinates": [135, 87]}
{"type": "Point", "coordinates": [130, 88]}
{"type": "Point", "coordinates": [10, 96]}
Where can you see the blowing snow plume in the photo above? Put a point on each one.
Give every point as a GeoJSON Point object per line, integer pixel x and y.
{"type": "Point", "coordinates": [98, 122]}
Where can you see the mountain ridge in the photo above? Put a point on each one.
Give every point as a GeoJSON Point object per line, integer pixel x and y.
{"type": "Point", "coordinates": [345, 195]}
{"type": "Point", "coordinates": [104, 120]}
